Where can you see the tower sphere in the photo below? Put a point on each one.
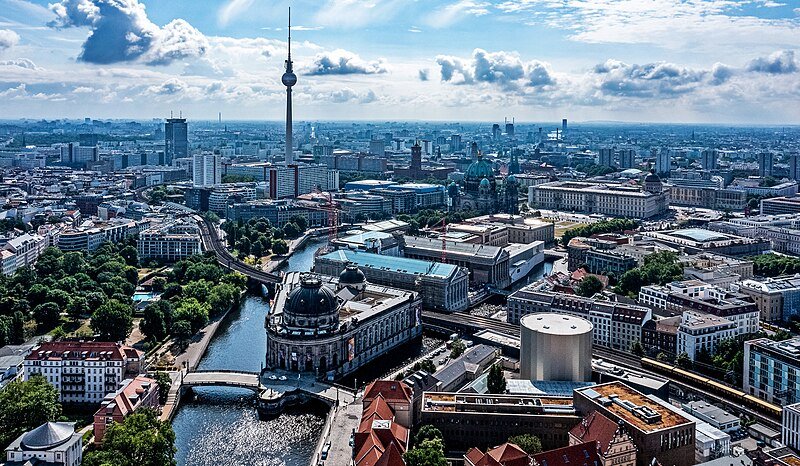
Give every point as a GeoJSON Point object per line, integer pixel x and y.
{"type": "Point", "coordinates": [289, 79]}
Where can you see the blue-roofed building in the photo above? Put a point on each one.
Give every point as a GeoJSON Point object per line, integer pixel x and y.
{"type": "Point", "coordinates": [377, 242]}
{"type": "Point", "coordinates": [700, 240]}
{"type": "Point", "coordinates": [427, 195]}
{"type": "Point", "coordinates": [443, 287]}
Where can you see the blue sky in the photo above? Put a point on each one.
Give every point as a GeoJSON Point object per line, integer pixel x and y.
{"type": "Point", "coordinates": [718, 61]}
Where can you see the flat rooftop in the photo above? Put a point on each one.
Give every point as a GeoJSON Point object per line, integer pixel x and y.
{"type": "Point", "coordinates": [633, 407]}
{"type": "Point", "coordinates": [396, 264]}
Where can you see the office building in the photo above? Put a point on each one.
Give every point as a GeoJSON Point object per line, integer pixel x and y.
{"type": "Point", "coordinates": [794, 167]}
{"type": "Point", "coordinates": [52, 443]}
{"type": "Point", "coordinates": [496, 131]}
{"type": "Point", "coordinates": [772, 370]}
{"type": "Point", "coordinates": [700, 240]}
{"type": "Point", "coordinates": [487, 265]}
{"type": "Point", "coordinates": [288, 180]}
{"type": "Point", "coordinates": [701, 333]}
{"type": "Point", "coordinates": [206, 170]}
{"type": "Point", "coordinates": [781, 205]}
{"type": "Point", "coordinates": [132, 395]}
{"type": "Point", "coordinates": [278, 212]}
{"type": "Point", "coordinates": [709, 442]}
{"type": "Point", "coordinates": [765, 164]}
{"type": "Point", "coordinates": [377, 147]}
{"type": "Point", "coordinates": [442, 287]}
{"type": "Point", "coordinates": [714, 415]}
{"type": "Point", "coordinates": [176, 142]}
{"type": "Point", "coordinates": [658, 432]}
{"type": "Point", "coordinates": [83, 372]}
{"type": "Point", "coordinates": [563, 125]}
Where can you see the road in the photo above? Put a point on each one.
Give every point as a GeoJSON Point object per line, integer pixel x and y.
{"type": "Point", "coordinates": [460, 321]}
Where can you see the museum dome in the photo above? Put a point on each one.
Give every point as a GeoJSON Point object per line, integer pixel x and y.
{"type": "Point", "coordinates": [311, 298]}
{"type": "Point", "coordinates": [351, 275]}
{"type": "Point", "coordinates": [652, 178]}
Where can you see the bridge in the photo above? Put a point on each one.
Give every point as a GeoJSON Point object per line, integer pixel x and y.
{"type": "Point", "coordinates": [222, 378]}
{"type": "Point", "coordinates": [212, 242]}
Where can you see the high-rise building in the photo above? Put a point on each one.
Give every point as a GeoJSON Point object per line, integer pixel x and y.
{"type": "Point", "coordinates": [708, 159]}
{"type": "Point", "coordinates": [206, 169]}
{"type": "Point", "coordinates": [606, 157]}
{"type": "Point", "coordinates": [510, 128]}
{"type": "Point", "coordinates": [496, 131]}
{"type": "Point", "coordinates": [455, 142]}
{"type": "Point", "coordinates": [663, 163]}
{"type": "Point", "coordinates": [176, 142]}
{"type": "Point", "coordinates": [564, 125]}
{"type": "Point", "coordinates": [765, 164]}
{"type": "Point", "coordinates": [627, 158]}
{"type": "Point", "coordinates": [416, 157]}
{"type": "Point", "coordinates": [289, 79]}
{"type": "Point", "coordinates": [794, 167]}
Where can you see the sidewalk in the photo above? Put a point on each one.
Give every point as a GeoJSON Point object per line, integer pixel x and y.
{"type": "Point", "coordinates": [338, 429]}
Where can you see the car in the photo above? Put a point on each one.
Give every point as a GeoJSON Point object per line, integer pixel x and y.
{"type": "Point", "coordinates": [273, 377]}
{"type": "Point", "coordinates": [283, 377]}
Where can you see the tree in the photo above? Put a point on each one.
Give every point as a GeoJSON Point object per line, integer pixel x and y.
{"type": "Point", "coordinates": [141, 439]}
{"type": "Point", "coordinates": [280, 247]}
{"type": "Point", "coordinates": [683, 361]}
{"type": "Point", "coordinates": [182, 331]}
{"type": "Point", "coordinates": [47, 315]}
{"type": "Point", "coordinates": [159, 283]}
{"type": "Point", "coordinates": [496, 382]}
{"type": "Point", "coordinates": [156, 319]}
{"type": "Point", "coordinates": [300, 221]}
{"type": "Point", "coordinates": [428, 453]}
{"type": "Point", "coordinates": [457, 349]}
{"type": "Point", "coordinates": [194, 312]}
{"type": "Point", "coordinates": [130, 256]}
{"type": "Point", "coordinates": [637, 348]}
{"type": "Point", "coordinates": [112, 321]}
{"type": "Point", "coordinates": [164, 383]}
{"type": "Point", "coordinates": [662, 357]}
{"type": "Point", "coordinates": [529, 443]}
{"type": "Point", "coordinates": [78, 307]}
{"type": "Point", "coordinates": [589, 286]}
{"type": "Point", "coordinates": [427, 432]}
{"type": "Point", "coordinates": [428, 366]}
{"type": "Point", "coordinates": [291, 230]}
{"type": "Point", "coordinates": [25, 406]}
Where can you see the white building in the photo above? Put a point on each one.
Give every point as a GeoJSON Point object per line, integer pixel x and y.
{"type": "Point", "coordinates": [8, 262]}
{"type": "Point", "coordinates": [717, 417]}
{"type": "Point", "coordinates": [791, 426]}
{"type": "Point", "coordinates": [26, 248]}
{"type": "Point", "coordinates": [54, 443]}
{"type": "Point", "coordinates": [83, 372]}
{"type": "Point", "coordinates": [170, 242]}
{"type": "Point", "coordinates": [702, 332]}
{"type": "Point", "coordinates": [597, 198]}
{"type": "Point", "coordinates": [709, 441]}
{"type": "Point", "coordinates": [206, 169]}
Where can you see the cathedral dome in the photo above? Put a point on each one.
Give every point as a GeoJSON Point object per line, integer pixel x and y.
{"type": "Point", "coordinates": [479, 169]}
{"type": "Point", "coordinates": [511, 179]}
{"type": "Point", "coordinates": [485, 183]}
{"type": "Point", "coordinates": [652, 178]}
{"type": "Point", "coordinates": [311, 299]}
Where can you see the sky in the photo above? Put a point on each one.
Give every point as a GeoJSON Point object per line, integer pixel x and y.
{"type": "Point", "coordinates": [678, 61]}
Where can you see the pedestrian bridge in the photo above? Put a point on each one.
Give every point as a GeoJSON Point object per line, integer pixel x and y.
{"type": "Point", "coordinates": [221, 378]}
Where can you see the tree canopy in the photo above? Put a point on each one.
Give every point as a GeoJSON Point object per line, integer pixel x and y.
{"type": "Point", "coordinates": [140, 440]}
{"type": "Point", "coordinates": [529, 443]}
{"type": "Point", "coordinates": [496, 381]}
{"type": "Point", "coordinates": [25, 406]}
{"type": "Point", "coordinates": [589, 286]}
{"type": "Point", "coordinates": [427, 453]}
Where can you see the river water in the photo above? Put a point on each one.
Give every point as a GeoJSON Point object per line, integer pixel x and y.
{"type": "Point", "coordinates": [220, 426]}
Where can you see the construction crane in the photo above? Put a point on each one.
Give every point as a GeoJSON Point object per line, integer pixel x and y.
{"type": "Point", "coordinates": [444, 241]}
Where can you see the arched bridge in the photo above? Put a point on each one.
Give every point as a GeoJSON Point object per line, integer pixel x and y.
{"type": "Point", "coordinates": [222, 378]}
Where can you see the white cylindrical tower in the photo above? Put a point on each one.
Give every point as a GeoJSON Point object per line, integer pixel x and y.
{"type": "Point", "coordinates": [555, 347]}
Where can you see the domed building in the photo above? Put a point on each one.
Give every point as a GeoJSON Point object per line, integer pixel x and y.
{"type": "Point", "coordinates": [480, 187]}
{"type": "Point", "coordinates": [652, 183]}
{"type": "Point", "coordinates": [312, 328]}
{"type": "Point", "coordinates": [50, 443]}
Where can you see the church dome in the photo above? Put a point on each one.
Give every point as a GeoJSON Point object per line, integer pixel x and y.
{"type": "Point", "coordinates": [511, 179]}
{"type": "Point", "coordinates": [311, 299]}
{"type": "Point", "coordinates": [652, 178]}
{"type": "Point", "coordinates": [479, 169]}
{"type": "Point", "coordinates": [351, 275]}
{"type": "Point", "coordinates": [485, 183]}
{"type": "Point", "coordinates": [48, 435]}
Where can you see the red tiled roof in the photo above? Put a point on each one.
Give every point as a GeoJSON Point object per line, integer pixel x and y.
{"type": "Point", "coordinates": [391, 390]}
{"type": "Point", "coordinates": [391, 457]}
{"type": "Point", "coordinates": [506, 454]}
{"type": "Point", "coordinates": [595, 427]}
{"type": "Point", "coordinates": [582, 454]}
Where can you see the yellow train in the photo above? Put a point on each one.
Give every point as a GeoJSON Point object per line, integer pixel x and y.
{"type": "Point", "coordinates": [711, 385]}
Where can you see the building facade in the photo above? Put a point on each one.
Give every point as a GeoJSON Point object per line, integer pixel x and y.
{"type": "Point", "coordinates": [593, 198]}
{"type": "Point", "coordinates": [772, 370]}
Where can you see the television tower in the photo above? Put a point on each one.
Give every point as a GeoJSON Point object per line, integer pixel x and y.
{"type": "Point", "coordinates": [289, 79]}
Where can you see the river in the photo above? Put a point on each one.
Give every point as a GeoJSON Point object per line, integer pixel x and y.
{"type": "Point", "coordinates": [220, 426]}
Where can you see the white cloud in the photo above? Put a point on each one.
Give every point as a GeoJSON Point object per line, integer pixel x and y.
{"type": "Point", "coordinates": [780, 62]}
{"type": "Point", "coordinates": [343, 62]}
{"type": "Point", "coordinates": [505, 69]}
{"type": "Point", "coordinates": [357, 13]}
{"type": "Point", "coordinates": [8, 39]}
{"type": "Point", "coordinates": [21, 63]}
{"type": "Point", "coordinates": [122, 32]}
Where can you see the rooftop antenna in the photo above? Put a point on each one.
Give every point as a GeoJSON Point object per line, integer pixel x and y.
{"type": "Point", "coordinates": [170, 113]}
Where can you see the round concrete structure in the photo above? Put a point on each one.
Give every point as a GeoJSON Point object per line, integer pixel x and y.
{"type": "Point", "coordinates": [555, 347]}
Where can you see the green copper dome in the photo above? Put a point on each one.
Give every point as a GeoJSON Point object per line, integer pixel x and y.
{"type": "Point", "coordinates": [478, 170]}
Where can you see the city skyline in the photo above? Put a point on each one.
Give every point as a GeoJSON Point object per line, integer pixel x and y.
{"type": "Point", "coordinates": [726, 62]}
